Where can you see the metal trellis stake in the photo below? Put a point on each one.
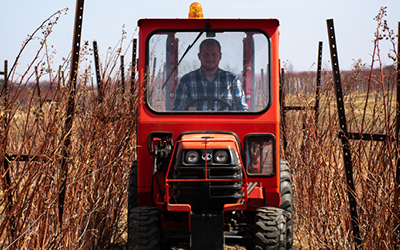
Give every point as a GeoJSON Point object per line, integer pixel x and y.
{"type": "Point", "coordinates": [133, 75]}
{"type": "Point", "coordinates": [98, 77]}
{"type": "Point", "coordinates": [122, 75]}
{"type": "Point", "coordinates": [70, 107]}
{"type": "Point", "coordinates": [344, 138]}
{"type": "Point", "coordinates": [6, 165]}
{"type": "Point", "coordinates": [285, 108]}
{"type": "Point", "coordinates": [317, 91]}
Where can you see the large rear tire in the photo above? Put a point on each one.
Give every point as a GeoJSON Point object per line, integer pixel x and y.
{"type": "Point", "coordinates": [270, 229]}
{"type": "Point", "coordinates": [144, 229]}
{"type": "Point", "coordinates": [287, 201]}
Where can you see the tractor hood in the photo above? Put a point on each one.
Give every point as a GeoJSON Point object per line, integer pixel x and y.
{"type": "Point", "coordinates": [208, 147]}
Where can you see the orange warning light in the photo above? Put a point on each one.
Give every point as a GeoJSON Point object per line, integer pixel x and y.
{"type": "Point", "coordinates": [195, 11]}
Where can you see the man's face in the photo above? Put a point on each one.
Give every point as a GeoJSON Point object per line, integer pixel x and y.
{"type": "Point", "coordinates": [209, 57]}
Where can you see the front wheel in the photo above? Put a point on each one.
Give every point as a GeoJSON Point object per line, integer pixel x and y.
{"type": "Point", "coordinates": [144, 229]}
{"type": "Point", "coordinates": [270, 229]}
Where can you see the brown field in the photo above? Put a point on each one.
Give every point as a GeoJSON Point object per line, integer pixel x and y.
{"type": "Point", "coordinates": [314, 150]}
{"type": "Point", "coordinates": [103, 148]}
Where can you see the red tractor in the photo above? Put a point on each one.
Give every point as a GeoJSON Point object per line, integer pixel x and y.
{"type": "Point", "coordinates": [208, 169]}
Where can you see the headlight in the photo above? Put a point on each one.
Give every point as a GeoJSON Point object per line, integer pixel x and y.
{"type": "Point", "coordinates": [221, 156]}
{"type": "Point", "coordinates": [192, 157]}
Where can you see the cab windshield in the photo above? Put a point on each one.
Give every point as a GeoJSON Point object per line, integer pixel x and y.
{"type": "Point", "coordinates": [222, 72]}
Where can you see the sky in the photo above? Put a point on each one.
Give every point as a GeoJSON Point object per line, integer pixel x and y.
{"type": "Point", "coordinates": [302, 26]}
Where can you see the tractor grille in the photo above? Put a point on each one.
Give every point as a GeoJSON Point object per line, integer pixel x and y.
{"type": "Point", "coordinates": [207, 194]}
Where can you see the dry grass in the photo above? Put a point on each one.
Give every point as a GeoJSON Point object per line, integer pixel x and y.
{"type": "Point", "coordinates": [103, 147]}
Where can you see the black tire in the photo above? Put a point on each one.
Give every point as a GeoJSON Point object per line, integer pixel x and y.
{"type": "Point", "coordinates": [287, 201]}
{"type": "Point", "coordinates": [270, 229]}
{"type": "Point", "coordinates": [133, 188]}
{"type": "Point", "coordinates": [144, 229]}
{"type": "Point", "coordinates": [132, 196]}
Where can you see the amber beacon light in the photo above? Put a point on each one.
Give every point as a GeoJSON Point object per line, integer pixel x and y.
{"type": "Point", "coordinates": [195, 11]}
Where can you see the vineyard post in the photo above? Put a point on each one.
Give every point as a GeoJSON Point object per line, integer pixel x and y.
{"type": "Point", "coordinates": [344, 135]}
{"type": "Point", "coordinates": [317, 91]}
{"type": "Point", "coordinates": [262, 80]}
{"type": "Point", "coordinates": [59, 79]}
{"type": "Point", "coordinates": [98, 77]}
{"type": "Point", "coordinates": [283, 110]}
{"type": "Point", "coordinates": [122, 75]}
{"type": "Point", "coordinates": [65, 160]}
{"type": "Point", "coordinates": [133, 75]}
{"type": "Point", "coordinates": [6, 166]}
{"type": "Point", "coordinates": [86, 77]}
{"type": "Point", "coordinates": [38, 89]}
{"type": "Point", "coordinates": [63, 78]}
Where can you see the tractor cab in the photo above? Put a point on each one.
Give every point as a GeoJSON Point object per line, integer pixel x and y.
{"type": "Point", "coordinates": [208, 169]}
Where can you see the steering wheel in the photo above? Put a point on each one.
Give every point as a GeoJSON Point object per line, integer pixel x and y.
{"type": "Point", "coordinates": [224, 104]}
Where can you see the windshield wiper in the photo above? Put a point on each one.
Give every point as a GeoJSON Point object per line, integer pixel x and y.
{"type": "Point", "coordinates": [208, 25]}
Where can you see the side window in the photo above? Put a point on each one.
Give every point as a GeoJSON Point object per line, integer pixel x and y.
{"type": "Point", "coordinates": [159, 66]}
{"type": "Point", "coordinates": [260, 154]}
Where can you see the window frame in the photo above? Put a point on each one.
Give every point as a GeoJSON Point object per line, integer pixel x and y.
{"type": "Point", "coordinates": [246, 159]}
{"type": "Point", "coordinates": [180, 112]}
